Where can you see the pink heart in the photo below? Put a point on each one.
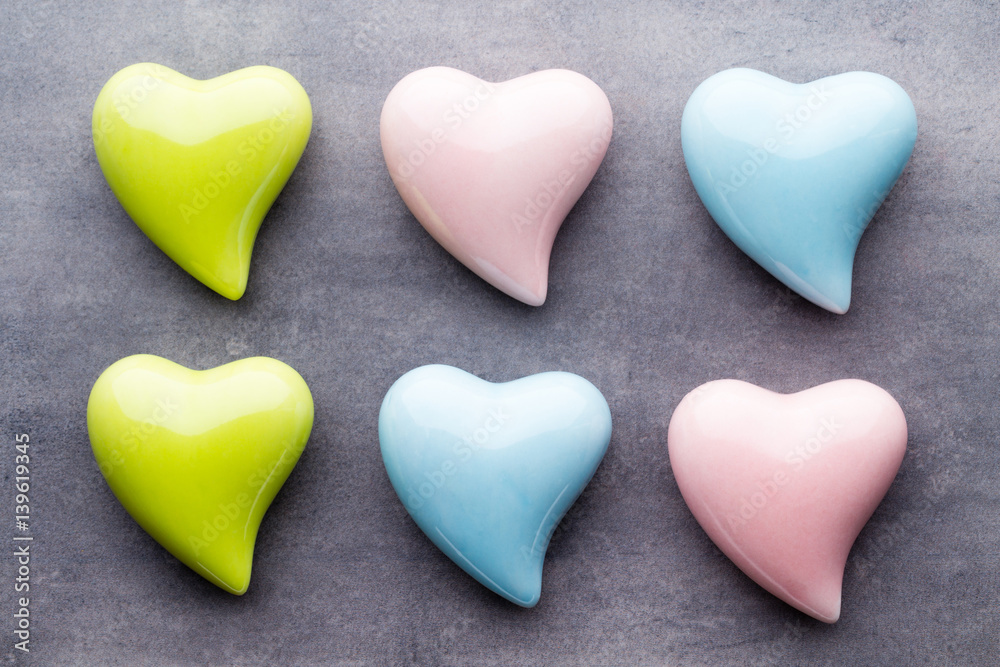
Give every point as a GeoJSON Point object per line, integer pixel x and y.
{"type": "Point", "coordinates": [782, 483]}
{"type": "Point", "coordinates": [492, 170]}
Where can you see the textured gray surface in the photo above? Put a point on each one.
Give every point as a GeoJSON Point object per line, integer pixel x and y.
{"type": "Point", "coordinates": [647, 300]}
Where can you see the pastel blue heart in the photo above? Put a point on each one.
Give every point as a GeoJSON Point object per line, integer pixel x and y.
{"type": "Point", "coordinates": [793, 173]}
{"type": "Point", "coordinates": [488, 470]}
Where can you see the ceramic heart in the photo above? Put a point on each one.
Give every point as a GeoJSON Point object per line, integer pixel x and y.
{"type": "Point", "coordinates": [783, 484]}
{"type": "Point", "coordinates": [488, 470]}
{"type": "Point", "coordinates": [793, 173]}
{"type": "Point", "coordinates": [492, 170]}
{"type": "Point", "coordinates": [197, 164]}
{"type": "Point", "coordinates": [196, 457]}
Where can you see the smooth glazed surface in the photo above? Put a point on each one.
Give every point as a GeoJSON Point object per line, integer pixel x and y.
{"type": "Point", "coordinates": [196, 457]}
{"type": "Point", "coordinates": [488, 470]}
{"type": "Point", "coordinates": [491, 169]}
{"type": "Point", "coordinates": [793, 173]}
{"type": "Point", "coordinates": [197, 164]}
{"type": "Point", "coordinates": [783, 483]}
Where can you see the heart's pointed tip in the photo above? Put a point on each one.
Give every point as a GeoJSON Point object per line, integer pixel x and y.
{"type": "Point", "coordinates": [831, 619]}
{"type": "Point", "coordinates": [529, 597]}
{"type": "Point", "coordinates": [233, 582]}
{"type": "Point", "coordinates": [836, 299]}
{"type": "Point", "coordinates": [233, 296]}
{"type": "Point", "coordinates": [228, 570]}
{"type": "Point", "coordinates": [232, 290]}
{"type": "Point", "coordinates": [823, 605]}
{"type": "Point", "coordinates": [513, 579]}
{"type": "Point", "coordinates": [238, 582]}
{"type": "Point", "coordinates": [535, 300]}
{"type": "Point", "coordinates": [839, 308]}
{"type": "Point", "coordinates": [530, 603]}
{"type": "Point", "coordinates": [537, 296]}
{"type": "Point", "coordinates": [841, 301]}
{"type": "Point", "coordinates": [532, 294]}
{"type": "Point", "coordinates": [241, 590]}
{"type": "Point", "coordinates": [829, 612]}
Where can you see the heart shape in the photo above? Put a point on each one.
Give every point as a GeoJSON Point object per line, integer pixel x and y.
{"type": "Point", "coordinates": [197, 164]}
{"type": "Point", "coordinates": [782, 483]}
{"type": "Point", "coordinates": [492, 170]}
{"type": "Point", "coordinates": [793, 173]}
{"type": "Point", "coordinates": [488, 470]}
{"type": "Point", "coordinates": [196, 457]}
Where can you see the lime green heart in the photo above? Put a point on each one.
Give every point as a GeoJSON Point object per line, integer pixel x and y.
{"type": "Point", "coordinates": [196, 457]}
{"type": "Point", "coordinates": [197, 164]}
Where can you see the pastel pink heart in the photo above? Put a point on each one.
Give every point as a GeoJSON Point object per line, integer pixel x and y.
{"type": "Point", "coordinates": [782, 483]}
{"type": "Point", "coordinates": [492, 170]}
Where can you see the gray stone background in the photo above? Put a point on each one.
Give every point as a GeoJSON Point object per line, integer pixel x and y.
{"type": "Point", "coordinates": [648, 299]}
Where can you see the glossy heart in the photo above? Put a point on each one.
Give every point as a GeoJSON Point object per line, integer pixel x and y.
{"type": "Point", "coordinates": [197, 164]}
{"type": "Point", "coordinates": [196, 457]}
{"type": "Point", "coordinates": [488, 470]}
{"type": "Point", "coordinates": [492, 170]}
{"type": "Point", "coordinates": [783, 484]}
{"type": "Point", "coordinates": [793, 173]}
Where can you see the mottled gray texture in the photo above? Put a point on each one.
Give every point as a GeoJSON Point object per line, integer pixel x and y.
{"type": "Point", "coordinates": [648, 299]}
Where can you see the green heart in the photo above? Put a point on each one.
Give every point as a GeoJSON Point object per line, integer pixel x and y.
{"type": "Point", "coordinates": [197, 164]}
{"type": "Point", "coordinates": [196, 457]}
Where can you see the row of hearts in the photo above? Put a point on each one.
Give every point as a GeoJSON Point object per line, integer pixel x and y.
{"type": "Point", "coordinates": [782, 484]}
{"type": "Point", "coordinates": [831, 150]}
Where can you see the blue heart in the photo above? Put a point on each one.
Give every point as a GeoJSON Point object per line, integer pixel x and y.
{"type": "Point", "coordinates": [488, 470]}
{"type": "Point", "coordinates": [793, 173]}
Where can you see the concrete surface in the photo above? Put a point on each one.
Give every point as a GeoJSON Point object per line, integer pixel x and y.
{"type": "Point", "coordinates": [648, 299]}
